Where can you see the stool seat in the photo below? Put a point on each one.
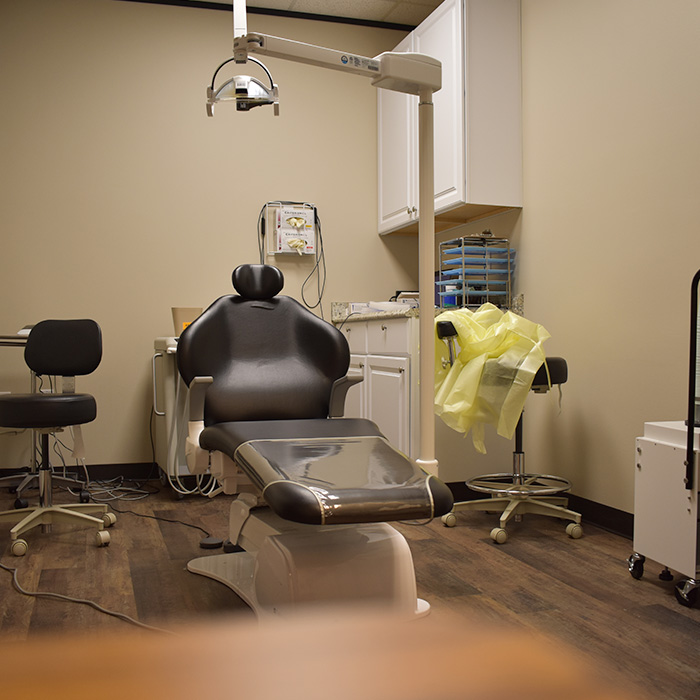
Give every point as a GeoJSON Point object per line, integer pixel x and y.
{"type": "Point", "coordinates": [554, 371]}
{"type": "Point", "coordinates": [37, 411]}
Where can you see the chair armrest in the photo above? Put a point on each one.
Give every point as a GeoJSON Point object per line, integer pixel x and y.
{"type": "Point", "coordinates": [196, 457]}
{"type": "Point", "coordinates": [198, 390]}
{"type": "Point", "coordinates": [339, 390]}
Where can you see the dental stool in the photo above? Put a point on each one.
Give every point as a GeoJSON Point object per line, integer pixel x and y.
{"type": "Point", "coordinates": [518, 492]}
{"type": "Point", "coordinates": [61, 349]}
{"type": "Point", "coordinates": [267, 382]}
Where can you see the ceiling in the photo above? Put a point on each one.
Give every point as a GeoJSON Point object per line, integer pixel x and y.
{"type": "Point", "coordinates": [402, 12]}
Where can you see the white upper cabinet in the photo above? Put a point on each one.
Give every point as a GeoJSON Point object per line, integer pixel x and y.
{"type": "Point", "coordinates": [478, 142]}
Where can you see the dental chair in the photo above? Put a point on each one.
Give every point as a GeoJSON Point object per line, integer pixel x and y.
{"type": "Point", "coordinates": [267, 382]}
{"type": "Point", "coordinates": [517, 492]}
{"type": "Point", "coordinates": [62, 349]}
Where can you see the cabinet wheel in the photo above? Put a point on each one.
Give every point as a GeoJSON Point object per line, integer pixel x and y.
{"type": "Point", "coordinates": [635, 564]}
{"type": "Point", "coordinates": [499, 535]}
{"type": "Point", "coordinates": [449, 520]}
{"type": "Point", "coordinates": [85, 497]}
{"type": "Point", "coordinates": [109, 519]}
{"type": "Point", "coordinates": [686, 593]}
{"type": "Point", "coordinates": [102, 538]}
{"type": "Point", "coordinates": [21, 503]}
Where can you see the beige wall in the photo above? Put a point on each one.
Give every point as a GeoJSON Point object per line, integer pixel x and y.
{"type": "Point", "coordinates": [120, 198]}
{"type": "Point", "coordinates": [609, 237]}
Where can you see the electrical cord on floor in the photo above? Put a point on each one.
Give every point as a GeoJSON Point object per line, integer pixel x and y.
{"type": "Point", "coordinates": [165, 520]}
{"type": "Point", "coordinates": [82, 601]}
{"type": "Point", "coordinates": [109, 490]}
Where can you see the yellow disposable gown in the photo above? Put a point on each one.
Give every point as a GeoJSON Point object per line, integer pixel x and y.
{"type": "Point", "coordinates": [497, 356]}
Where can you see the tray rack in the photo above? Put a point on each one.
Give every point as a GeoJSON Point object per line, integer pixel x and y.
{"type": "Point", "coordinates": [475, 270]}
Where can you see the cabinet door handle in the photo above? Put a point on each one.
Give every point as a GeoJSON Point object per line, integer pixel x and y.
{"type": "Point", "coordinates": [402, 370]}
{"type": "Point", "coordinates": [408, 210]}
{"type": "Point", "coordinates": [414, 210]}
{"type": "Point", "coordinates": [155, 401]}
{"type": "Point", "coordinates": [383, 327]}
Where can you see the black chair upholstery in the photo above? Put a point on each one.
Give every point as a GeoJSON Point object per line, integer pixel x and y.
{"type": "Point", "coordinates": [65, 349]}
{"type": "Point", "coordinates": [270, 358]}
{"type": "Point", "coordinates": [274, 366]}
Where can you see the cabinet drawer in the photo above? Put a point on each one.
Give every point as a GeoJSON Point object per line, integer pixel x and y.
{"type": "Point", "coordinates": [356, 335]}
{"type": "Point", "coordinates": [389, 336]}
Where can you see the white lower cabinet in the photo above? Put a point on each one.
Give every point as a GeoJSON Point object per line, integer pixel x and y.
{"type": "Point", "coordinates": [388, 395]}
{"type": "Point", "coordinates": [381, 354]}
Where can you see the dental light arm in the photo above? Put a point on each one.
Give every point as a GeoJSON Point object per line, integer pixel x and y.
{"type": "Point", "coordinates": [402, 72]}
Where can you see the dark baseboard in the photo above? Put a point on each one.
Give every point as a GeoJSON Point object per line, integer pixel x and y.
{"type": "Point", "coordinates": [611, 519]}
{"type": "Point", "coordinates": [140, 471]}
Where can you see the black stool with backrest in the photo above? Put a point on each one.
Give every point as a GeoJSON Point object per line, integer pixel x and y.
{"type": "Point", "coordinates": [63, 349]}
{"type": "Point", "coordinates": [518, 492]}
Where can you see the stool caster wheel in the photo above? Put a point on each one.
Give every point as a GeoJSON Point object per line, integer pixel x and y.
{"type": "Point", "coordinates": [20, 503]}
{"type": "Point", "coordinates": [85, 497]}
{"type": "Point", "coordinates": [19, 548]}
{"type": "Point", "coordinates": [574, 530]}
{"type": "Point", "coordinates": [449, 520]}
{"type": "Point", "coordinates": [499, 535]}
{"type": "Point", "coordinates": [109, 519]}
{"type": "Point", "coordinates": [102, 539]}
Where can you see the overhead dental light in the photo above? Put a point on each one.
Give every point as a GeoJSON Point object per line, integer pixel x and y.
{"type": "Point", "coordinates": [409, 73]}
{"type": "Point", "coordinates": [247, 92]}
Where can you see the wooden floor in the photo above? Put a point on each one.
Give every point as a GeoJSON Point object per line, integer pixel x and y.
{"type": "Point", "coordinates": [575, 590]}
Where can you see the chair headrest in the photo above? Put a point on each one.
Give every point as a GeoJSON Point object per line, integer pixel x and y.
{"type": "Point", "coordinates": [257, 281]}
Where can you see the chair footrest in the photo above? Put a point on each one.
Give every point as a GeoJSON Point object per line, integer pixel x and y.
{"type": "Point", "coordinates": [320, 481]}
{"type": "Point", "coordinates": [519, 485]}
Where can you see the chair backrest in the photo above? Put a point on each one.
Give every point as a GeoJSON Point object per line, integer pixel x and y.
{"type": "Point", "coordinates": [67, 348]}
{"type": "Point", "coordinates": [270, 358]}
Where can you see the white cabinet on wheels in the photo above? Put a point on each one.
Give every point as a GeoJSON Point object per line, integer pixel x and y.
{"type": "Point", "coordinates": [666, 525]}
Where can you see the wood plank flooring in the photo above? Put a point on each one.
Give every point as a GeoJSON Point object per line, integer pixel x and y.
{"type": "Point", "coordinates": [578, 591]}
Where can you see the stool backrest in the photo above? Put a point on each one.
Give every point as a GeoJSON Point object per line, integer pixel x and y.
{"type": "Point", "coordinates": [67, 348]}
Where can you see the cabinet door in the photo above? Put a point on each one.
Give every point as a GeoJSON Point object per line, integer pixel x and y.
{"type": "Point", "coordinates": [396, 156]}
{"type": "Point", "coordinates": [440, 36]}
{"type": "Point", "coordinates": [388, 399]}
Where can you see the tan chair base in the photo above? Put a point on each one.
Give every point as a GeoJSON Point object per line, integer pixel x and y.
{"type": "Point", "coordinates": [516, 507]}
{"type": "Point", "coordinates": [29, 518]}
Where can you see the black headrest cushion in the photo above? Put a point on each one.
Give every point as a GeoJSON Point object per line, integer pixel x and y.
{"type": "Point", "coordinates": [257, 281]}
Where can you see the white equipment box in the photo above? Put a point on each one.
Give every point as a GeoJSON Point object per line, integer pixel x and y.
{"type": "Point", "coordinates": [291, 228]}
{"type": "Point", "coordinates": [665, 512]}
